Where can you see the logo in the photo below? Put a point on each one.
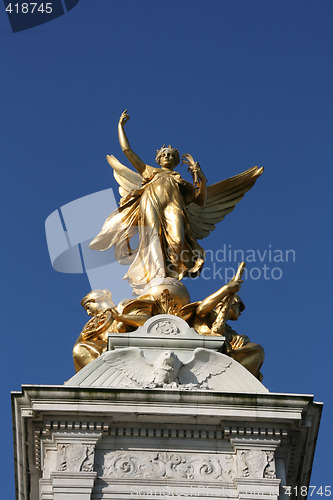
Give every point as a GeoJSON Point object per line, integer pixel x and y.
{"type": "Point", "coordinates": [70, 229]}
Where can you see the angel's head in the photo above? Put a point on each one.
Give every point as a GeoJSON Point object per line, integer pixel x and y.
{"type": "Point", "coordinates": [97, 301]}
{"type": "Point", "coordinates": [167, 157]}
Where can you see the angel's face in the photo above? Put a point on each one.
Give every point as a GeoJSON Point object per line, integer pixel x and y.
{"type": "Point", "coordinates": [167, 159]}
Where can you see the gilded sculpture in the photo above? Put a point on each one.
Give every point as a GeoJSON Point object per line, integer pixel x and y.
{"type": "Point", "coordinates": [170, 215]}
{"type": "Point", "coordinates": [207, 317]}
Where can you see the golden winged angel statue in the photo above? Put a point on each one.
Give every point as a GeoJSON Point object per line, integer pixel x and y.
{"type": "Point", "coordinates": [169, 214]}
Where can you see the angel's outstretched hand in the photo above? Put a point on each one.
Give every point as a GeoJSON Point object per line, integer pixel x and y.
{"type": "Point", "coordinates": [193, 167]}
{"type": "Point", "coordinates": [197, 170]}
{"type": "Point", "coordinates": [124, 117]}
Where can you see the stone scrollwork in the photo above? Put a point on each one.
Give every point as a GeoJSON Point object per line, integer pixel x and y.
{"type": "Point", "coordinates": [242, 465]}
{"type": "Point", "coordinates": [164, 465]}
{"type": "Point", "coordinates": [75, 457]}
{"type": "Point", "coordinates": [164, 327]}
{"type": "Point", "coordinates": [256, 464]}
{"type": "Point", "coordinates": [62, 457]}
{"type": "Point", "coordinates": [270, 472]}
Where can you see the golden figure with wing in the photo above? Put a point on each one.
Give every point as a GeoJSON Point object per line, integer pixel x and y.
{"type": "Point", "coordinates": [169, 213]}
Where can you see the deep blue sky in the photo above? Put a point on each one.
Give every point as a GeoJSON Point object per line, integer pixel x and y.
{"type": "Point", "coordinates": [235, 83]}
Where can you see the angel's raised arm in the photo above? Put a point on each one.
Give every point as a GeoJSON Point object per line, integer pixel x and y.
{"type": "Point", "coordinates": [137, 163]}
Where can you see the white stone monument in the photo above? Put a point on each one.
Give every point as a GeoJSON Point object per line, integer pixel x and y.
{"type": "Point", "coordinates": [172, 408]}
{"type": "Point", "coordinates": [163, 413]}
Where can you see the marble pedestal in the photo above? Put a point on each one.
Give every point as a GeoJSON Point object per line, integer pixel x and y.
{"type": "Point", "coordinates": [113, 435]}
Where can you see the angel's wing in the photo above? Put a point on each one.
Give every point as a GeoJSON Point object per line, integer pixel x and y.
{"type": "Point", "coordinates": [222, 198]}
{"type": "Point", "coordinates": [127, 179]}
{"type": "Point", "coordinates": [204, 365]}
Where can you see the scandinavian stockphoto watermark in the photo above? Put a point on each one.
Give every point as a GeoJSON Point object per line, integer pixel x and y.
{"type": "Point", "coordinates": [175, 491]}
{"type": "Point", "coordinates": [262, 263]}
{"type": "Point", "coordinates": [267, 263]}
{"type": "Point", "coordinates": [206, 491]}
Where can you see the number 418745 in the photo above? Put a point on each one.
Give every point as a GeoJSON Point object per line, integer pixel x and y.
{"type": "Point", "coordinates": [29, 8]}
{"type": "Point", "coordinates": [305, 491]}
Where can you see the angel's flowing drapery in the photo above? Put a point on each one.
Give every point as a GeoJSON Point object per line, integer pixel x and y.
{"type": "Point", "coordinates": [167, 246]}
{"type": "Point", "coordinates": [169, 223]}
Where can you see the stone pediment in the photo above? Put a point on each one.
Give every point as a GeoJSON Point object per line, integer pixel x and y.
{"type": "Point", "coordinates": [163, 331]}
{"type": "Point", "coordinates": [166, 352]}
